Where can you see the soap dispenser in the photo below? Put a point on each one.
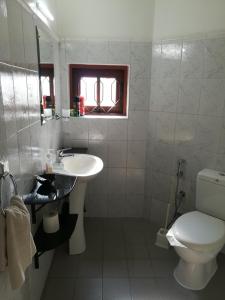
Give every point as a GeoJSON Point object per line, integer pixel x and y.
{"type": "Point", "coordinates": [48, 167]}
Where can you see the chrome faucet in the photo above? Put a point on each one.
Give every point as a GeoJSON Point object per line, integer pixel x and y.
{"type": "Point", "coordinates": [60, 154]}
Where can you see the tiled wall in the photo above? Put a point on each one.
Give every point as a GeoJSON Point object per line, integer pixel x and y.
{"type": "Point", "coordinates": [176, 110]}
{"type": "Point", "coordinates": [186, 118]}
{"type": "Point", "coordinates": [23, 141]}
{"type": "Point", "coordinates": [119, 190]}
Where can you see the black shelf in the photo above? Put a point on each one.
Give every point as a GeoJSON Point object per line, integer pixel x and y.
{"type": "Point", "coordinates": [48, 241]}
{"type": "Point", "coordinates": [55, 188]}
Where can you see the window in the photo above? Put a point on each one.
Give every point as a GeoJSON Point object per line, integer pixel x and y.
{"type": "Point", "coordinates": [47, 85]}
{"type": "Point", "coordinates": [103, 87]}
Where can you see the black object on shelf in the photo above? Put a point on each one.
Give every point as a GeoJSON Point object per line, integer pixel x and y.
{"type": "Point", "coordinates": [48, 241]}
{"type": "Point", "coordinates": [81, 150]}
{"type": "Point", "coordinates": [48, 188]}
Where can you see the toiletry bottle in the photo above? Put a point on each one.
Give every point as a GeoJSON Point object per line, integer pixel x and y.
{"type": "Point", "coordinates": [48, 168]}
{"type": "Point", "coordinates": [76, 106]}
{"type": "Point", "coordinates": [82, 108]}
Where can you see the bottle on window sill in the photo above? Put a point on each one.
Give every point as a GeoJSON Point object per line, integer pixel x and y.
{"type": "Point", "coordinates": [82, 108]}
{"type": "Point", "coordinates": [76, 106]}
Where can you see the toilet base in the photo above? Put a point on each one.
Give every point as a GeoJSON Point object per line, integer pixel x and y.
{"type": "Point", "coordinates": [194, 276]}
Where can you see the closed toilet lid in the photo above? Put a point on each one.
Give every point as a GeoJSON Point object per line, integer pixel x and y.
{"type": "Point", "coordinates": [199, 231]}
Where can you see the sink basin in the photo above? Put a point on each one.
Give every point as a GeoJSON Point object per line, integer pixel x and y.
{"type": "Point", "coordinates": [83, 166]}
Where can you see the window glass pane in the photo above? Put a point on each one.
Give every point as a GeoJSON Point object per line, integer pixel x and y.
{"type": "Point", "coordinates": [108, 91]}
{"type": "Point", "coordinates": [45, 85]}
{"type": "Point", "coordinates": [88, 89]}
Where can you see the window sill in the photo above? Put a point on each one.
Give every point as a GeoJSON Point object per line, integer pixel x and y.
{"type": "Point", "coordinates": [102, 117]}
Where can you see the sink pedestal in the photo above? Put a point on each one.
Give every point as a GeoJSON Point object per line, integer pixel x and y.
{"type": "Point", "coordinates": [77, 243]}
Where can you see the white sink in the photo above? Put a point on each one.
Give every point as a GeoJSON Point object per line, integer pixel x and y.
{"type": "Point", "coordinates": [83, 166]}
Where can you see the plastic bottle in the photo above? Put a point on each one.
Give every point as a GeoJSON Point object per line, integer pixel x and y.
{"type": "Point", "coordinates": [76, 106]}
{"type": "Point", "coordinates": [48, 167]}
{"type": "Point", "coordinates": [82, 108]}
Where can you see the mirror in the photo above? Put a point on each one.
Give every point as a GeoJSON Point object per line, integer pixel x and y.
{"type": "Point", "coordinates": [45, 46]}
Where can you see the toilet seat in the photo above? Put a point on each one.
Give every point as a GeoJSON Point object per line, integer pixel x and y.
{"type": "Point", "coordinates": [199, 231]}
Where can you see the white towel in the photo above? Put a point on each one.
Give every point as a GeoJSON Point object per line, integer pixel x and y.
{"type": "Point", "coordinates": [3, 258]}
{"type": "Point", "coordinates": [19, 241]}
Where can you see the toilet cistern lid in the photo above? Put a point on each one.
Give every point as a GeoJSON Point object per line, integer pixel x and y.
{"type": "Point", "coordinates": [199, 231]}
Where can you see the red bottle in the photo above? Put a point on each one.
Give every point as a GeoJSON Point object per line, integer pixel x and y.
{"type": "Point", "coordinates": [82, 108]}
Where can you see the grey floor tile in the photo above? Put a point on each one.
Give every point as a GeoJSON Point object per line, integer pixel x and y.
{"type": "Point", "coordinates": [59, 289]}
{"type": "Point", "coordinates": [115, 268]}
{"type": "Point", "coordinates": [88, 289]}
{"type": "Point", "coordinates": [134, 237]}
{"type": "Point", "coordinates": [113, 225]}
{"type": "Point", "coordinates": [64, 265]}
{"type": "Point", "coordinates": [156, 252]}
{"type": "Point", "coordinates": [114, 251]}
{"type": "Point", "coordinates": [140, 268]}
{"type": "Point", "coordinates": [135, 224]}
{"type": "Point", "coordinates": [171, 290]}
{"type": "Point", "coordinates": [116, 289]}
{"type": "Point", "coordinates": [137, 251]}
{"type": "Point", "coordinates": [114, 237]}
{"type": "Point", "coordinates": [90, 268]}
{"type": "Point", "coordinates": [133, 267]}
{"type": "Point", "coordinates": [163, 268]}
{"type": "Point", "coordinates": [144, 289]}
{"type": "Point", "coordinates": [93, 251]}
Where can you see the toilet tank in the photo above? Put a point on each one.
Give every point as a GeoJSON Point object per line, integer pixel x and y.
{"type": "Point", "coordinates": [210, 193]}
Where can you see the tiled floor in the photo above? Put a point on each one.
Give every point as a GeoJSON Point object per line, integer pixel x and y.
{"type": "Point", "coordinates": [122, 263]}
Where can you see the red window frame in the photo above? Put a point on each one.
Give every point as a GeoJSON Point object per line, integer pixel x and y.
{"type": "Point", "coordinates": [111, 71]}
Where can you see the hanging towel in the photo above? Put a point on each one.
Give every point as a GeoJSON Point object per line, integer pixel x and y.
{"type": "Point", "coordinates": [3, 258]}
{"type": "Point", "coordinates": [19, 241]}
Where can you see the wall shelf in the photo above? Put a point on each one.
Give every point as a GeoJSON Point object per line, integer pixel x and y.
{"type": "Point", "coordinates": [58, 188]}
{"type": "Point", "coordinates": [48, 241]}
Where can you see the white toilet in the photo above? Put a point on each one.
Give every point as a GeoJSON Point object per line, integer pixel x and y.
{"type": "Point", "coordinates": [199, 236]}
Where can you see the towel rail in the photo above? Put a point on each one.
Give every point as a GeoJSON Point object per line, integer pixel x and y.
{"type": "Point", "coordinates": [3, 176]}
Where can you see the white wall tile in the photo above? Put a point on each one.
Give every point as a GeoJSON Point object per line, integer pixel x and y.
{"type": "Point", "coordinates": [97, 129]}
{"type": "Point", "coordinates": [164, 127]}
{"type": "Point", "coordinates": [117, 154]}
{"type": "Point", "coordinates": [137, 125]}
{"type": "Point", "coordinates": [99, 148]}
{"type": "Point", "coordinates": [189, 96]}
{"type": "Point", "coordinates": [97, 52]}
{"type": "Point", "coordinates": [116, 205]}
{"type": "Point", "coordinates": [134, 206]}
{"type": "Point", "coordinates": [212, 98]}
{"type": "Point", "coordinates": [136, 154]}
{"type": "Point", "coordinates": [20, 90]}
{"type": "Point", "coordinates": [117, 130]}
{"type": "Point", "coordinates": [139, 94]}
{"type": "Point", "coordinates": [192, 59]}
{"type": "Point", "coordinates": [164, 94]}
{"type": "Point", "coordinates": [78, 129]}
{"type": "Point", "coordinates": [96, 205]}
{"type": "Point", "coordinates": [135, 181]}
{"type": "Point", "coordinates": [15, 28]}
{"type": "Point", "coordinates": [119, 52]}
{"type": "Point", "coordinates": [99, 185]}
{"type": "Point", "coordinates": [208, 132]}
{"type": "Point", "coordinates": [116, 181]}
{"type": "Point", "coordinates": [4, 35]}
{"type": "Point", "coordinates": [76, 52]}
{"type": "Point", "coordinates": [185, 132]}
{"type": "Point", "coordinates": [171, 58]}
{"type": "Point", "coordinates": [214, 58]}
{"type": "Point", "coordinates": [8, 100]}
{"type": "Point", "coordinates": [30, 43]}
